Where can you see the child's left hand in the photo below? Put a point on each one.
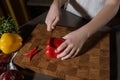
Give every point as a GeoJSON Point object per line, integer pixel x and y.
{"type": "Point", "coordinates": [72, 44]}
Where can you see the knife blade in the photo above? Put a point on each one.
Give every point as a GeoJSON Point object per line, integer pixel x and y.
{"type": "Point", "coordinates": [50, 34]}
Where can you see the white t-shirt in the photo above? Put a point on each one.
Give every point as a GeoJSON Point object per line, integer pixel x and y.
{"type": "Point", "coordinates": [85, 8]}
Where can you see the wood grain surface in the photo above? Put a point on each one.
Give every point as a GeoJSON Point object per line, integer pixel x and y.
{"type": "Point", "coordinates": [93, 63]}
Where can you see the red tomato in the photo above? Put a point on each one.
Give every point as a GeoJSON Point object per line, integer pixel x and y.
{"type": "Point", "coordinates": [51, 46]}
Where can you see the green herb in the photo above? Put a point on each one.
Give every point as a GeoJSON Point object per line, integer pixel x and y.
{"type": "Point", "coordinates": [8, 26]}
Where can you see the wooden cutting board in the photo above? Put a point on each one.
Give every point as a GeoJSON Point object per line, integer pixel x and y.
{"type": "Point", "coordinates": [92, 64]}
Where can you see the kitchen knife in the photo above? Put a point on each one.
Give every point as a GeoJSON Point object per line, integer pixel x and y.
{"type": "Point", "coordinates": [50, 34]}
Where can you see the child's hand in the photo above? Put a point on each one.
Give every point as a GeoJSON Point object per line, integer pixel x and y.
{"type": "Point", "coordinates": [53, 17]}
{"type": "Point", "coordinates": [73, 43]}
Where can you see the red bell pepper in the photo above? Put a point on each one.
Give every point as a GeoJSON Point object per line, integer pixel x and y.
{"type": "Point", "coordinates": [52, 45]}
{"type": "Point", "coordinates": [31, 53]}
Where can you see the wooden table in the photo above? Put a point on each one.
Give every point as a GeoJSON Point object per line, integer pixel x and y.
{"type": "Point", "coordinates": [93, 63]}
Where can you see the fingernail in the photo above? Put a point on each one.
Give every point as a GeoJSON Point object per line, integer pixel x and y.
{"type": "Point", "coordinates": [58, 56]}
{"type": "Point", "coordinates": [56, 51]}
{"type": "Point", "coordinates": [52, 27]}
{"type": "Point", "coordinates": [48, 29]}
{"type": "Point", "coordinates": [62, 59]}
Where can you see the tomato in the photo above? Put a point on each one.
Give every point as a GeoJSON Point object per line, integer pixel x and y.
{"type": "Point", "coordinates": [52, 45]}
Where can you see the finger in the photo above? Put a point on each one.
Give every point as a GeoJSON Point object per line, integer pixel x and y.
{"type": "Point", "coordinates": [77, 51]}
{"type": "Point", "coordinates": [55, 22]}
{"type": "Point", "coordinates": [65, 52]}
{"type": "Point", "coordinates": [49, 24]}
{"type": "Point", "coordinates": [61, 47]}
{"type": "Point", "coordinates": [65, 37]}
{"type": "Point", "coordinates": [49, 27]}
{"type": "Point", "coordinates": [69, 55]}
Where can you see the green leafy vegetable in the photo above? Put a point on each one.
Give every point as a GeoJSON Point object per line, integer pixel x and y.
{"type": "Point", "coordinates": [8, 26]}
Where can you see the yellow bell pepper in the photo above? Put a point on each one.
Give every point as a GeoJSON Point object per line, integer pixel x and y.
{"type": "Point", "coordinates": [10, 42]}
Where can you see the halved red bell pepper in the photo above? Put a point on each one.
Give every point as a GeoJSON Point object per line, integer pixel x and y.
{"type": "Point", "coordinates": [52, 45]}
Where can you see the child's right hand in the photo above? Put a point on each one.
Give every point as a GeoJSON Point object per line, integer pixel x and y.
{"type": "Point", "coordinates": [53, 17]}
